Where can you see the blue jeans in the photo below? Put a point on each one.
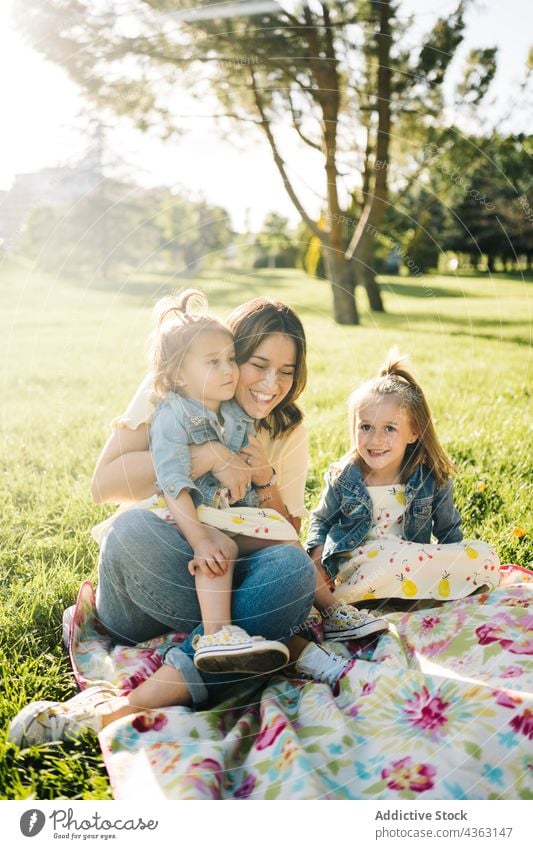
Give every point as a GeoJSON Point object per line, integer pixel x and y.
{"type": "Point", "coordinates": [145, 589]}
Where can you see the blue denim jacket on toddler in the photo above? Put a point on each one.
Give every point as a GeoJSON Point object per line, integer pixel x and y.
{"type": "Point", "coordinates": [343, 517]}
{"type": "Point", "coordinates": [180, 422]}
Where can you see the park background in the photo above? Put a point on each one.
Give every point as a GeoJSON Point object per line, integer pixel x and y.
{"type": "Point", "coordinates": [342, 128]}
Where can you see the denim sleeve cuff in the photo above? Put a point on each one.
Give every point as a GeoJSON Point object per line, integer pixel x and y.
{"type": "Point", "coordinates": [312, 542]}
{"type": "Point", "coordinates": [173, 488]}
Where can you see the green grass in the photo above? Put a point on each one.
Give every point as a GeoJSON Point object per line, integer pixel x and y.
{"type": "Point", "coordinates": [72, 353]}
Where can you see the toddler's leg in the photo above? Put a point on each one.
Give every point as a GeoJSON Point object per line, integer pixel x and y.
{"type": "Point", "coordinates": [214, 598]}
{"type": "Point", "coordinates": [224, 647]}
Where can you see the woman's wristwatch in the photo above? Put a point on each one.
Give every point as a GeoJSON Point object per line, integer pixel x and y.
{"type": "Point", "coordinates": [271, 482]}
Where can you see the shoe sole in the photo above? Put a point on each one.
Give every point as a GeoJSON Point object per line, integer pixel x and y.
{"type": "Point", "coordinates": [357, 633]}
{"type": "Point", "coordinates": [250, 660]}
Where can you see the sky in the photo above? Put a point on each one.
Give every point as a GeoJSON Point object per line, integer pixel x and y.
{"type": "Point", "coordinates": [41, 110]}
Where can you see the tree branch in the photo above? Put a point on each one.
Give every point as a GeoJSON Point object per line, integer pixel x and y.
{"type": "Point", "coordinates": [374, 204]}
{"type": "Point", "coordinates": [313, 226]}
{"type": "Point", "coordinates": [298, 127]}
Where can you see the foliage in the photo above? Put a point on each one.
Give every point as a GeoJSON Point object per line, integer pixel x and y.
{"type": "Point", "coordinates": [334, 77]}
{"type": "Point", "coordinates": [472, 195]}
{"type": "Point", "coordinates": [274, 244]}
{"type": "Point", "coordinates": [121, 226]}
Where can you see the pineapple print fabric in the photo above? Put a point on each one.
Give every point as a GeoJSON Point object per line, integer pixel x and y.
{"type": "Point", "coordinates": [386, 566]}
{"type": "Point", "coordinates": [249, 521]}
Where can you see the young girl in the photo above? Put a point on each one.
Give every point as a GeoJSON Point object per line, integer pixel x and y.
{"type": "Point", "coordinates": [195, 375]}
{"type": "Point", "coordinates": [371, 533]}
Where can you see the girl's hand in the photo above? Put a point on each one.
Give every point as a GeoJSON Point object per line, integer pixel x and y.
{"type": "Point", "coordinates": [209, 559]}
{"type": "Point", "coordinates": [213, 555]}
{"type": "Point", "coordinates": [236, 475]}
{"type": "Point", "coordinates": [257, 460]}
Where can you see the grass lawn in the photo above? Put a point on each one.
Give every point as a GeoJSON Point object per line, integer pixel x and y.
{"type": "Point", "coordinates": [72, 354]}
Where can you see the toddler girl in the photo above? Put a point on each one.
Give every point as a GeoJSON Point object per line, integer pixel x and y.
{"type": "Point", "coordinates": [195, 374]}
{"type": "Point", "coordinates": [371, 532]}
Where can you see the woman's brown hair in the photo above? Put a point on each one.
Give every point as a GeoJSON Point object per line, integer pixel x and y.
{"type": "Point", "coordinates": [250, 323]}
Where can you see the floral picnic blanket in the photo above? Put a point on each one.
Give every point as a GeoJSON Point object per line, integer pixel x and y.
{"type": "Point", "coordinates": [441, 707]}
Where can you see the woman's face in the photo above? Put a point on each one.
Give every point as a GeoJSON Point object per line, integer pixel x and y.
{"type": "Point", "coordinates": [267, 377]}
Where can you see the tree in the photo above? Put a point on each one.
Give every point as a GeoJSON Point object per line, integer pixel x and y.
{"type": "Point", "coordinates": [189, 231]}
{"type": "Point", "coordinates": [483, 185]}
{"type": "Point", "coordinates": [274, 246]}
{"type": "Point", "coordinates": [124, 226]}
{"type": "Point", "coordinates": [338, 73]}
{"type": "Point", "coordinates": [105, 229]}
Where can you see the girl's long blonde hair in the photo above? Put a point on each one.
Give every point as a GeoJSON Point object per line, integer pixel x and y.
{"type": "Point", "coordinates": [396, 380]}
{"type": "Point", "coordinates": [180, 318]}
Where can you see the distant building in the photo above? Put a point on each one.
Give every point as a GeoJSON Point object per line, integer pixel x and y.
{"type": "Point", "coordinates": [48, 187]}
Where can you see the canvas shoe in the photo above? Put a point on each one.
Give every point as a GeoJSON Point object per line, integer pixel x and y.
{"type": "Point", "coordinates": [233, 650]}
{"type": "Point", "coordinates": [348, 623]}
{"type": "Point", "coordinates": [47, 722]}
{"type": "Point", "coordinates": [68, 619]}
{"type": "Point", "coordinates": [321, 663]}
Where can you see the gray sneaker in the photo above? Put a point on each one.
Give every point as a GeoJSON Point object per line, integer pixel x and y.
{"type": "Point", "coordinates": [47, 722]}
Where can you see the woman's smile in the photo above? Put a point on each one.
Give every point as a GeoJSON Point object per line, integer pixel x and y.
{"type": "Point", "coordinates": [267, 376]}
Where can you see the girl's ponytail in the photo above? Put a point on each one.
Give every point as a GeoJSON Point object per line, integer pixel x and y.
{"type": "Point", "coordinates": [184, 306]}
{"type": "Point", "coordinates": [395, 367]}
{"type": "Point", "coordinates": [179, 319]}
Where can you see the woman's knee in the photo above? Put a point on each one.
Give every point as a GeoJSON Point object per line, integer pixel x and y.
{"type": "Point", "coordinates": [121, 542]}
{"type": "Point", "coordinates": [296, 569]}
{"type": "Point", "coordinates": [141, 532]}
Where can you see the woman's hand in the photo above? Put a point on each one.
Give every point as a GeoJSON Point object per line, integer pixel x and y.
{"type": "Point", "coordinates": [255, 457]}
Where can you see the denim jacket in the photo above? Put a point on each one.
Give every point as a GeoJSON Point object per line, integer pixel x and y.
{"type": "Point", "coordinates": [343, 517]}
{"type": "Point", "coordinates": [179, 422]}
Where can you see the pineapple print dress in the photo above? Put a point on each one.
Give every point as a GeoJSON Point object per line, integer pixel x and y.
{"type": "Point", "coordinates": [254, 522]}
{"type": "Point", "coordinates": [387, 566]}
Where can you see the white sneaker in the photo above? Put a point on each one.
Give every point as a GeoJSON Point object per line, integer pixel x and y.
{"type": "Point", "coordinates": [321, 663]}
{"type": "Point", "coordinates": [348, 623]}
{"type": "Point", "coordinates": [68, 618]}
{"type": "Point", "coordinates": [47, 722]}
{"type": "Point", "coordinates": [233, 650]}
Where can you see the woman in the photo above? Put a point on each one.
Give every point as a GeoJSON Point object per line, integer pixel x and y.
{"type": "Point", "coordinates": [144, 586]}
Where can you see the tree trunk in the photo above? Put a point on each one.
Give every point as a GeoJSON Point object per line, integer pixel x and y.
{"type": "Point", "coordinates": [363, 269]}
{"type": "Point", "coordinates": [342, 286]}
{"type": "Point", "coordinates": [360, 247]}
